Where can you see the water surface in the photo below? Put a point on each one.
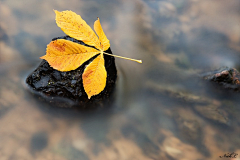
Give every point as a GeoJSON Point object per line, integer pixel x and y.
{"type": "Point", "coordinates": [163, 109]}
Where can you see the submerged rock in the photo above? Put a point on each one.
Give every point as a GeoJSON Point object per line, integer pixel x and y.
{"type": "Point", "coordinates": [65, 89]}
{"type": "Point", "coordinates": [227, 77]}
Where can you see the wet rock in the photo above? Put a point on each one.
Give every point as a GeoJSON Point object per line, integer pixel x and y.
{"type": "Point", "coordinates": [65, 89]}
{"type": "Point", "coordinates": [226, 77]}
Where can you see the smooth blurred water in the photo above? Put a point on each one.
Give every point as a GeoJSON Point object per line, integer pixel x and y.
{"type": "Point", "coordinates": [163, 109]}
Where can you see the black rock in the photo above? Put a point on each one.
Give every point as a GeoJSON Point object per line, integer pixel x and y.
{"type": "Point", "coordinates": [229, 78]}
{"type": "Point", "coordinates": [65, 89]}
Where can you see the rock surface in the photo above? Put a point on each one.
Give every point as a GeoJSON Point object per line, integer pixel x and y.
{"type": "Point", "coordinates": [65, 89]}
{"type": "Point", "coordinates": [227, 77]}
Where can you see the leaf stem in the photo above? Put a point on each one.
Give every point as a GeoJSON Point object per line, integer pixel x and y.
{"type": "Point", "coordinates": [139, 61]}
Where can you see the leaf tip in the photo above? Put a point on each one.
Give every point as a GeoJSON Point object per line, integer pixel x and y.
{"type": "Point", "coordinates": [56, 11]}
{"type": "Point", "coordinates": [89, 96]}
{"type": "Point", "coordinates": [43, 57]}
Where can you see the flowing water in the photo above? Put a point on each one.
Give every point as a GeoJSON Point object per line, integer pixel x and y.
{"type": "Point", "coordinates": [162, 110]}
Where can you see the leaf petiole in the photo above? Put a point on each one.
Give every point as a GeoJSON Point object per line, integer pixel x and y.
{"type": "Point", "coordinates": [139, 61]}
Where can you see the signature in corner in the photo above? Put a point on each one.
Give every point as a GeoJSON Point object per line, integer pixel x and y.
{"type": "Point", "coordinates": [229, 155]}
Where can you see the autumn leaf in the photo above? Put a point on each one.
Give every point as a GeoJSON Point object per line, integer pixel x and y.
{"type": "Point", "coordinates": [65, 55]}
{"type": "Point", "coordinates": [74, 26]}
{"type": "Point", "coordinates": [104, 42]}
{"type": "Point", "coordinates": [94, 77]}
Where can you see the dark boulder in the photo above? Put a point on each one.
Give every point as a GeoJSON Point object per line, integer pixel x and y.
{"type": "Point", "coordinates": [65, 89]}
{"type": "Point", "coordinates": [229, 78]}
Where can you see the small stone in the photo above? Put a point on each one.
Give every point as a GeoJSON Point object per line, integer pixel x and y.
{"type": "Point", "coordinates": [227, 77]}
{"type": "Point", "coordinates": [43, 82]}
{"type": "Point", "coordinates": [56, 75]}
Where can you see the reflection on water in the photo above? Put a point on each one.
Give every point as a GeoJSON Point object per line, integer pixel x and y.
{"type": "Point", "coordinates": [163, 108]}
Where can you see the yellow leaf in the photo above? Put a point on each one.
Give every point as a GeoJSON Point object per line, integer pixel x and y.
{"type": "Point", "coordinates": [104, 42]}
{"type": "Point", "coordinates": [74, 26]}
{"type": "Point", "coordinates": [64, 55]}
{"type": "Point", "coordinates": [94, 77]}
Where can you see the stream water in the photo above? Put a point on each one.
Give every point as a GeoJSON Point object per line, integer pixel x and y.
{"type": "Point", "coordinates": [163, 109]}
